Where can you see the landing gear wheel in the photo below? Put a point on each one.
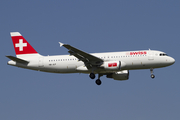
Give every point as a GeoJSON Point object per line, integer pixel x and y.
{"type": "Point", "coordinates": [92, 75]}
{"type": "Point", "coordinates": [98, 82]}
{"type": "Point", "coordinates": [152, 76]}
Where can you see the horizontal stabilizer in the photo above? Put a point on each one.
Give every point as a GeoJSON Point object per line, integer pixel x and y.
{"type": "Point", "coordinates": [17, 59]}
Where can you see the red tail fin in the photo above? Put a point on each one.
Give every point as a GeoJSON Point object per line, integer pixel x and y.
{"type": "Point", "coordinates": [21, 46]}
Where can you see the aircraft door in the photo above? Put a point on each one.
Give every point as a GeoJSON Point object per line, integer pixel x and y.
{"type": "Point", "coordinates": [150, 55]}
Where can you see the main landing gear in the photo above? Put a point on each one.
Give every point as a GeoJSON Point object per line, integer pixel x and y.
{"type": "Point", "coordinates": [92, 75]}
{"type": "Point", "coordinates": [98, 81]}
{"type": "Point", "coordinates": [152, 75]}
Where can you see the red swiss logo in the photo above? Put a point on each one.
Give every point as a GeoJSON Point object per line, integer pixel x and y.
{"type": "Point", "coordinates": [112, 64]}
{"type": "Point", "coordinates": [21, 46]}
{"type": "Point", "coordinates": [138, 53]}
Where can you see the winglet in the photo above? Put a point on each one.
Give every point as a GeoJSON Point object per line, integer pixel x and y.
{"type": "Point", "coordinates": [61, 44]}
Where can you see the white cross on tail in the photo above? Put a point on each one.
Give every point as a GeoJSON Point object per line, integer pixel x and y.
{"type": "Point", "coordinates": [21, 45]}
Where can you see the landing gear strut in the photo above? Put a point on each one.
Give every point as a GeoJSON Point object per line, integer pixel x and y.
{"type": "Point", "coordinates": [152, 75]}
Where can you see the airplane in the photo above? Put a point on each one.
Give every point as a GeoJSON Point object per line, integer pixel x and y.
{"type": "Point", "coordinates": [115, 65]}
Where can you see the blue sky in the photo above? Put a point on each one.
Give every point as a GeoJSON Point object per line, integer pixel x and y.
{"type": "Point", "coordinates": [92, 26]}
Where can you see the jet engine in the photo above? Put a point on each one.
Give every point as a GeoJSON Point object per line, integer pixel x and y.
{"type": "Point", "coordinates": [114, 65]}
{"type": "Point", "coordinates": [121, 75]}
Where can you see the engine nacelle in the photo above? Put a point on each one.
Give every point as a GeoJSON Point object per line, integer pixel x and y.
{"type": "Point", "coordinates": [112, 65]}
{"type": "Point", "coordinates": [121, 75]}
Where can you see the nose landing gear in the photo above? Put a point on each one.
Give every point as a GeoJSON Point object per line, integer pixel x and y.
{"type": "Point", "coordinates": [152, 75]}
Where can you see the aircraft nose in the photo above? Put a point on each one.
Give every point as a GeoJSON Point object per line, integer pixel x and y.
{"type": "Point", "coordinates": [171, 60]}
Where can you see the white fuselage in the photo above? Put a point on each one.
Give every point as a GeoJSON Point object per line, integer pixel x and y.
{"type": "Point", "coordinates": [114, 65]}
{"type": "Point", "coordinates": [130, 60]}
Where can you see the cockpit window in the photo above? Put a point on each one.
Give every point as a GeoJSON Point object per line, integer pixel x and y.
{"type": "Point", "coordinates": [163, 54]}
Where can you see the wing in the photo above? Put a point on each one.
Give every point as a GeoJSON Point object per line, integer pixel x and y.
{"type": "Point", "coordinates": [88, 59]}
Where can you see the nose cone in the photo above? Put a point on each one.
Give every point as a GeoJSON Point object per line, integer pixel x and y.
{"type": "Point", "coordinates": [171, 60]}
